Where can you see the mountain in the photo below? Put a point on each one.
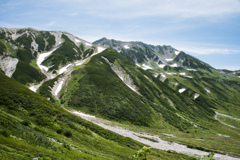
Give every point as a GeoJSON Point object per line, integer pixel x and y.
{"type": "Point", "coordinates": [182, 72]}
{"type": "Point", "coordinates": [35, 128]}
{"type": "Point", "coordinates": [155, 88]}
{"type": "Point", "coordinates": [152, 57]}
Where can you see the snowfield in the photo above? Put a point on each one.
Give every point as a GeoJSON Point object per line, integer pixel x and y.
{"type": "Point", "coordinates": [59, 87]}
{"type": "Point", "coordinates": [42, 57]}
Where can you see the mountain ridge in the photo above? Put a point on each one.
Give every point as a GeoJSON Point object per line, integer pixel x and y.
{"type": "Point", "coordinates": [157, 87]}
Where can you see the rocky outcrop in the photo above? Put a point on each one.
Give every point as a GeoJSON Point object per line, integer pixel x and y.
{"type": "Point", "coordinates": [8, 65]}
{"type": "Point", "coordinates": [123, 75]}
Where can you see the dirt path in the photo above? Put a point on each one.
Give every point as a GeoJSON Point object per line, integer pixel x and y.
{"type": "Point", "coordinates": [224, 115]}
{"type": "Point", "coordinates": [159, 144]}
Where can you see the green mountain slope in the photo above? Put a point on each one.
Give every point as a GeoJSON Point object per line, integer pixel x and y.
{"type": "Point", "coordinates": [186, 74]}
{"type": "Point", "coordinates": [111, 86]}
{"type": "Point", "coordinates": [155, 88]}
{"type": "Point", "coordinates": [33, 127]}
{"type": "Point", "coordinates": [27, 44]}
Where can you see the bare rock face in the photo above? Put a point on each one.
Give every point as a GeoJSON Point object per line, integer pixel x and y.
{"type": "Point", "coordinates": [8, 65]}
{"type": "Point", "coordinates": [122, 75]}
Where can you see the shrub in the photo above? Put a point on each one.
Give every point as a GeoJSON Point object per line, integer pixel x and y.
{"type": "Point", "coordinates": [5, 132]}
{"type": "Point", "coordinates": [59, 131]}
{"type": "Point", "coordinates": [68, 133]}
{"type": "Point", "coordinates": [142, 153]}
{"type": "Point", "coordinates": [26, 122]}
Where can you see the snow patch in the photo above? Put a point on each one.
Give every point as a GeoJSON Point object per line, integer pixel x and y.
{"type": "Point", "coordinates": [174, 65]}
{"type": "Point", "coordinates": [155, 75]}
{"type": "Point", "coordinates": [64, 69]}
{"type": "Point", "coordinates": [78, 63]}
{"type": "Point", "coordinates": [145, 67]}
{"type": "Point", "coordinates": [163, 77]}
{"type": "Point", "coordinates": [181, 90]}
{"type": "Point", "coordinates": [177, 52]}
{"type": "Point", "coordinates": [183, 73]}
{"type": "Point", "coordinates": [171, 73]}
{"type": "Point", "coordinates": [175, 83]}
{"type": "Point", "coordinates": [99, 50]}
{"type": "Point", "coordinates": [192, 70]}
{"type": "Point", "coordinates": [196, 95]}
{"type": "Point", "coordinates": [126, 47]}
{"type": "Point", "coordinates": [8, 65]}
{"type": "Point", "coordinates": [161, 65]}
{"type": "Point", "coordinates": [169, 59]}
{"type": "Point", "coordinates": [88, 44]}
{"type": "Point", "coordinates": [77, 40]}
{"type": "Point", "coordinates": [207, 90]}
{"type": "Point", "coordinates": [42, 57]}
{"type": "Point", "coordinates": [34, 88]}
{"type": "Point", "coordinates": [59, 87]}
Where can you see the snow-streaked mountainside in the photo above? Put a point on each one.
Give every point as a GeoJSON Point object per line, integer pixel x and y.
{"type": "Point", "coordinates": [152, 57]}
{"type": "Point", "coordinates": [174, 67]}
{"type": "Point", "coordinates": [133, 83]}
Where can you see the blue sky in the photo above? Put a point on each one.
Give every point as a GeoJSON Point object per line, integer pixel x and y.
{"type": "Point", "coordinates": [206, 29]}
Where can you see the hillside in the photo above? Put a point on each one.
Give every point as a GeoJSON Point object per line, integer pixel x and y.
{"type": "Point", "coordinates": [32, 127]}
{"type": "Point", "coordinates": [184, 73]}
{"type": "Point", "coordinates": [155, 89]}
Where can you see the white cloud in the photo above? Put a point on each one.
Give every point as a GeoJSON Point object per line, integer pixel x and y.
{"type": "Point", "coordinates": [168, 8]}
{"type": "Point", "coordinates": [207, 51]}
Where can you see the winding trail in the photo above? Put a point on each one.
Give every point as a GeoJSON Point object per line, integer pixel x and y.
{"type": "Point", "coordinates": [159, 144]}
{"type": "Point", "coordinates": [224, 115]}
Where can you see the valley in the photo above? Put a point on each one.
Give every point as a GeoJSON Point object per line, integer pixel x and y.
{"type": "Point", "coordinates": [155, 95]}
{"type": "Point", "coordinates": [149, 139]}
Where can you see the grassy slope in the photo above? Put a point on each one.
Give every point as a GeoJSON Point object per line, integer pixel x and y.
{"type": "Point", "coordinates": [96, 89]}
{"type": "Point", "coordinates": [93, 88]}
{"type": "Point", "coordinates": [63, 55]}
{"type": "Point", "coordinates": [27, 119]}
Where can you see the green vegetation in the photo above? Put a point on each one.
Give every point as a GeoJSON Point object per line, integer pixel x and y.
{"type": "Point", "coordinates": [208, 157]}
{"type": "Point", "coordinates": [26, 74]}
{"type": "Point", "coordinates": [33, 127]}
{"type": "Point", "coordinates": [68, 52]}
{"type": "Point", "coordinates": [2, 48]}
{"type": "Point", "coordinates": [142, 153]}
{"type": "Point", "coordinates": [98, 90]}
{"type": "Point", "coordinates": [45, 89]}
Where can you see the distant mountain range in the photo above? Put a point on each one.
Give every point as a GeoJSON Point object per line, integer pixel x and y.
{"type": "Point", "coordinates": [128, 82]}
